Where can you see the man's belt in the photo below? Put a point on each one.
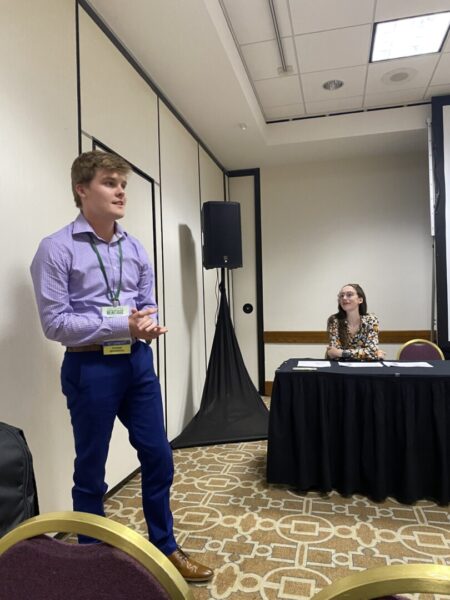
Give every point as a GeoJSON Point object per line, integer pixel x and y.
{"type": "Point", "coordinates": [90, 348]}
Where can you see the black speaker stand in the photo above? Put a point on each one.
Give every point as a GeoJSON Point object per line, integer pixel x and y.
{"type": "Point", "coordinates": [231, 409]}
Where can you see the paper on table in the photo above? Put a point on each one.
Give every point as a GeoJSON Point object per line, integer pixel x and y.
{"type": "Point", "coordinates": [407, 364]}
{"type": "Point", "coordinates": [313, 363]}
{"type": "Point", "coordinates": [360, 364]}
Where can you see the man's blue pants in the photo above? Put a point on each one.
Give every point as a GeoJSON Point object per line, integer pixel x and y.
{"type": "Point", "coordinates": [98, 389]}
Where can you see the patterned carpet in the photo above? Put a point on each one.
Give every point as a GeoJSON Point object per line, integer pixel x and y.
{"type": "Point", "coordinates": [269, 542]}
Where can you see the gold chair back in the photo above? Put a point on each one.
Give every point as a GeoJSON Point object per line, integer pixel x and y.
{"type": "Point", "coordinates": [428, 347]}
{"type": "Point", "coordinates": [112, 533]}
{"type": "Point", "coordinates": [389, 580]}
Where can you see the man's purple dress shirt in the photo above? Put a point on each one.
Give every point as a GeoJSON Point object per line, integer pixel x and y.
{"type": "Point", "coordinates": [71, 290]}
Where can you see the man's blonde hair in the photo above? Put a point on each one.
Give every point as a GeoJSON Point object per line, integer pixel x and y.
{"type": "Point", "coordinates": [86, 165]}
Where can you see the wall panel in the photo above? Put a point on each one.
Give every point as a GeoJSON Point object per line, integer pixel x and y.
{"type": "Point", "coordinates": [185, 342]}
{"type": "Point", "coordinates": [38, 126]}
{"type": "Point", "coordinates": [242, 190]}
{"type": "Point", "coordinates": [211, 188]}
{"type": "Point", "coordinates": [117, 105]}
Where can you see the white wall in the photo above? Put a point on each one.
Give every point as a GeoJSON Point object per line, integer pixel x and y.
{"type": "Point", "coordinates": [117, 105]}
{"type": "Point", "coordinates": [323, 224]}
{"type": "Point", "coordinates": [329, 223]}
{"type": "Point", "coordinates": [242, 190]}
{"type": "Point", "coordinates": [38, 124]}
{"type": "Point", "coordinates": [211, 188]}
{"type": "Point", "coordinates": [185, 341]}
{"type": "Point", "coordinates": [39, 140]}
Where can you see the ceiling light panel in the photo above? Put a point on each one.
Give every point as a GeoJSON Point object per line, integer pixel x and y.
{"type": "Point", "coordinates": [334, 49]}
{"type": "Point", "coordinates": [409, 37]}
{"type": "Point", "coordinates": [318, 15]}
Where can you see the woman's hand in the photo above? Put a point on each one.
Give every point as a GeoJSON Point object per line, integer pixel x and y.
{"type": "Point", "coordinates": [381, 354]}
{"type": "Point", "coordinates": [333, 352]}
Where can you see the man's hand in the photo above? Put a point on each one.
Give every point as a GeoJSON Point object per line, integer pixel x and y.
{"type": "Point", "coordinates": [142, 326]}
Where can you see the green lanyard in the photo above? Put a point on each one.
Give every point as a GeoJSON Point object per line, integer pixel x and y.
{"type": "Point", "coordinates": [112, 296]}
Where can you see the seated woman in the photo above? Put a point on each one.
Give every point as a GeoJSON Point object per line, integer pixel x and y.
{"type": "Point", "coordinates": [353, 332]}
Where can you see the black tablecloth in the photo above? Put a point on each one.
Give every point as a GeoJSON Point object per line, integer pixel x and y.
{"type": "Point", "coordinates": [374, 431]}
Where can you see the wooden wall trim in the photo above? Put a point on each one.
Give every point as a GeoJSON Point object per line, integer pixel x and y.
{"type": "Point", "coordinates": [321, 337]}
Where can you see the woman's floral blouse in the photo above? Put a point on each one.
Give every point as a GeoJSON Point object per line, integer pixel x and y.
{"type": "Point", "coordinates": [363, 344]}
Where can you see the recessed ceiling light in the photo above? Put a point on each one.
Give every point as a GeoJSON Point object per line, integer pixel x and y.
{"type": "Point", "coordinates": [409, 37]}
{"type": "Point", "coordinates": [398, 76]}
{"type": "Point", "coordinates": [332, 84]}
{"type": "Point", "coordinates": [243, 126]}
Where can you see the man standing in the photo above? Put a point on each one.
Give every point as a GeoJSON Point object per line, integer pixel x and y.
{"type": "Point", "coordinates": [94, 288]}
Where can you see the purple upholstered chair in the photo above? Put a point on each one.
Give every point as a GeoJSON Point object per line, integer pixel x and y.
{"type": "Point", "coordinates": [381, 582]}
{"type": "Point", "coordinates": [420, 350]}
{"type": "Point", "coordinates": [124, 565]}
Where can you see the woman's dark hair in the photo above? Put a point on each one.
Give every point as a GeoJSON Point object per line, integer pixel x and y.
{"type": "Point", "coordinates": [341, 315]}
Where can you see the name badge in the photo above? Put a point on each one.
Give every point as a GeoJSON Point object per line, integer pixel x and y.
{"type": "Point", "coordinates": [117, 347]}
{"type": "Point", "coordinates": [122, 346]}
{"type": "Point", "coordinates": [115, 311]}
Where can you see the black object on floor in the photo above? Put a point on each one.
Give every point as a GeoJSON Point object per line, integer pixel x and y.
{"type": "Point", "coordinates": [18, 493]}
{"type": "Point", "coordinates": [231, 409]}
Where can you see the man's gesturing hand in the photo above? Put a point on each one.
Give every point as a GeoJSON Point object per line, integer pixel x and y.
{"type": "Point", "coordinates": [142, 326]}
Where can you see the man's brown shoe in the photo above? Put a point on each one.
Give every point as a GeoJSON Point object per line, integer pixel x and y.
{"type": "Point", "coordinates": [189, 569]}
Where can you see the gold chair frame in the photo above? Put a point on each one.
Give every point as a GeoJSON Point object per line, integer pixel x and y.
{"type": "Point", "coordinates": [421, 341]}
{"type": "Point", "coordinates": [389, 580]}
{"type": "Point", "coordinates": [110, 532]}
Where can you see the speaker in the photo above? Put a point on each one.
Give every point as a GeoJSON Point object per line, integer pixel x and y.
{"type": "Point", "coordinates": [221, 228]}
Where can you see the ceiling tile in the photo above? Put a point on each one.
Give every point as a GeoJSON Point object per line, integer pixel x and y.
{"type": "Point", "coordinates": [420, 69]}
{"type": "Point", "coordinates": [353, 78]}
{"type": "Point", "coordinates": [245, 26]}
{"type": "Point", "coordinates": [446, 47]}
{"type": "Point", "coordinates": [442, 74]}
{"type": "Point", "coordinates": [333, 49]}
{"type": "Point", "coordinates": [324, 107]}
{"type": "Point", "coordinates": [394, 97]}
{"type": "Point", "coordinates": [317, 15]}
{"type": "Point", "coordinates": [398, 9]}
{"type": "Point", "coordinates": [437, 90]}
{"type": "Point", "coordinates": [283, 17]}
{"type": "Point", "coordinates": [278, 92]}
{"type": "Point", "coordinates": [263, 58]}
{"type": "Point", "coordinates": [252, 21]}
{"type": "Point", "coordinates": [284, 112]}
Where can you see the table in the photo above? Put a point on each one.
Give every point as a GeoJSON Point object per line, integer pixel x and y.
{"type": "Point", "coordinates": [374, 431]}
